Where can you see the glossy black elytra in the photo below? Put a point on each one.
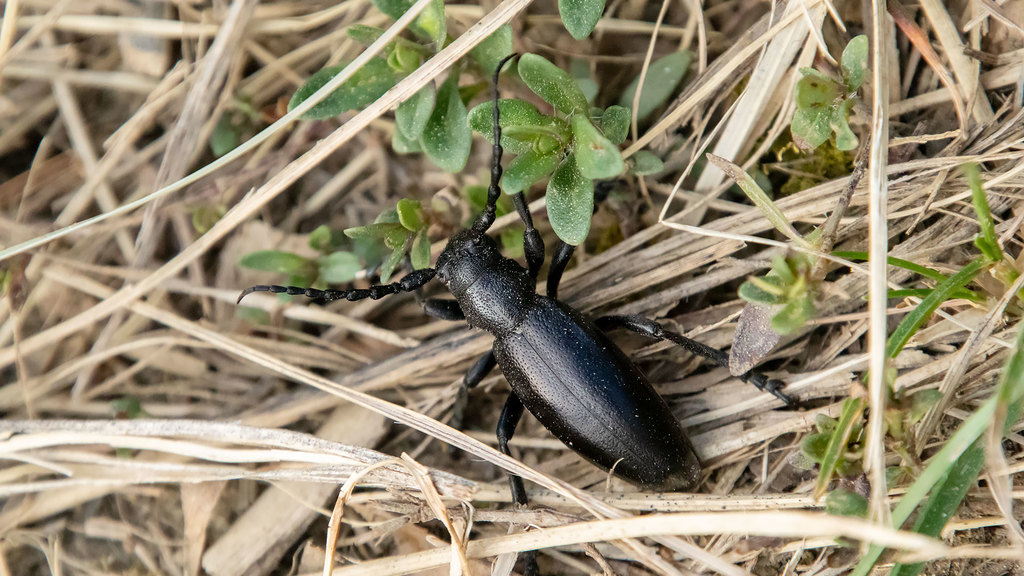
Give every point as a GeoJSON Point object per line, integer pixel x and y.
{"type": "Point", "coordinates": [561, 365]}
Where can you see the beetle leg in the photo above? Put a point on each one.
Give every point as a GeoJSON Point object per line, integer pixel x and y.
{"type": "Point", "coordinates": [510, 416]}
{"type": "Point", "coordinates": [480, 369]}
{"type": "Point", "coordinates": [533, 245]}
{"type": "Point", "coordinates": [558, 264]}
{"type": "Point", "coordinates": [652, 329]}
{"type": "Point", "coordinates": [443, 309]}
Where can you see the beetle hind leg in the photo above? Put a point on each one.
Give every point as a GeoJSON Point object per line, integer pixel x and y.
{"type": "Point", "coordinates": [510, 416]}
{"type": "Point", "coordinates": [652, 329]}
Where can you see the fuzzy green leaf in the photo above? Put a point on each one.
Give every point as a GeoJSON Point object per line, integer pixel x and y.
{"type": "Point", "coordinates": [570, 200]}
{"type": "Point", "coordinates": [615, 123]}
{"type": "Point", "coordinates": [279, 262]}
{"type": "Point", "coordinates": [523, 127]}
{"type": "Point", "coordinates": [489, 53]}
{"type": "Point", "coordinates": [815, 91]}
{"type": "Point", "coordinates": [663, 76]}
{"type": "Point", "coordinates": [855, 63]}
{"type": "Point", "coordinates": [363, 34]}
{"type": "Point", "coordinates": [366, 85]}
{"type": "Point", "coordinates": [753, 293]}
{"type": "Point", "coordinates": [412, 115]}
{"type": "Point", "coordinates": [643, 163]}
{"type": "Point", "coordinates": [596, 156]}
{"type": "Point", "coordinates": [554, 85]}
{"type": "Point", "coordinates": [447, 137]}
{"type": "Point", "coordinates": [580, 70]}
{"type": "Point", "coordinates": [845, 503]}
{"type": "Point", "coordinates": [580, 16]}
{"type": "Point", "coordinates": [392, 262]}
{"type": "Point", "coordinates": [402, 144]}
{"type": "Point", "coordinates": [793, 315]}
{"type": "Point", "coordinates": [339, 267]}
{"type": "Point", "coordinates": [526, 169]}
{"type": "Point", "coordinates": [810, 129]}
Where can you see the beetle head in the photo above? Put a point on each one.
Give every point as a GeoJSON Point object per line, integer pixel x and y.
{"type": "Point", "coordinates": [468, 255]}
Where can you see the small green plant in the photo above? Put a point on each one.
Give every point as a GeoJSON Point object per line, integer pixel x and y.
{"type": "Point", "coordinates": [333, 266]}
{"type": "Point", "coordinates": [575, 145]}
{"type": "Point", "coordinates": [434, 119]}
{"type": "Point", "coordinates": [823, 104]}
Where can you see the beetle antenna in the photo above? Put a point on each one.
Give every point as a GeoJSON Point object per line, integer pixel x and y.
{"type": "Point", "coordinates": [486, 218]}
{"type": "Point", "coordinates": [409, 283]}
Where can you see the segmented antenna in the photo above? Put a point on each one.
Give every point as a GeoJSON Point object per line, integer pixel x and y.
{"type": "Point", "coordinates": [486, 217]}
{"type": "Point", "coordinates": [409, 283]}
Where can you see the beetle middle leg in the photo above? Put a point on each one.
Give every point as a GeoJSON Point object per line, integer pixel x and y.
{"type": "Point", "coordinates": [652, 329]}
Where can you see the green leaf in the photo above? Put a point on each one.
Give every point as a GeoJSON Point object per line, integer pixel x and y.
{"type": "Point", "coordinates": [913, 321]}
{"type": "Point", "coordinates": [526, 169]}
{"type": "Point", "coordinates": [987, 242]}
{"type": "Point", "coordinates": [279, 262]}
{"type": "Point", "coordinates": [363, 34]}
{"type": "Point", "coordinates": [615, 123]}
{"type": "Point", "coordinates": [447, 137]}
{"type": "Point", "coordinates": [420, 253]}
{"type": "Point", "coordinates": [596, 156]}
{"type": "Point", "coordinates": [203, 218]}
{"type": "Point", "coordinates": [404, 59]}
{"type": "Point", "coordinates": [402, 144]}
{"type": "Point", "coordinates": [430, 24]}
{"type": "Point", "coordinates": [643, 163]}
{"type": "Point", "coordinates": [843, 502]}
{"type": "Point", "coordinates": [552, 84]}
{"type": "Point", "coordinates": [945, 498]}
{"type": "Point", "coordinates": [663, 75]}
{"type": "Point", "coordinates": [366, 85]}
{"type": "Point", "coordinates": [580, 16]}
{"type": "Point", "coordinates": [375, 231]}
{"type": "Point", "coordinates": [570, 200]}
{"type": "Point", "coordinates": [816, 91]}
{"type": "Point", "coordinates": [489, 53]}
{"type": "Point", "coordinates": [339, 267]}
{"type": "Point", "coordinates": [923, 401]}
{"type": "Point", "coordinates": [392, 262]}
{"type": "Point", "coordinates": [324, 239]}
{"type": "Point", "coordinates": [850, 418]}
{"type": "Point", "coordinates": [580, 70]}
{"type": "Point", "coordinates": [752, 292]}
{"type": "Point", "coordinates": [793, 315]}
{"type": "Point", "coordinates": [410, 214]}
{"type": "Point", "coordinates": [226, 136]}
{"type": "Point", "coordinates": [523, 127]}
{"type": "Point", "coordinates": [855, 63]}
{"type": "Point", "coordinates": [846, 140]}
{"type": "Point", "coordinates": [814, 446]}
{"type": "Point", "coordinates": [810, 128]}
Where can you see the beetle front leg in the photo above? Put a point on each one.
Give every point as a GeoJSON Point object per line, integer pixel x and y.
{"type": "Point", "coordinates": [443, 309]}
{"type": "Point", "coordinates": [652, 329]}
{"type": "Point", "coordinates": [533, 244]}
{"type": "Point", "coordinates": [510, 416]}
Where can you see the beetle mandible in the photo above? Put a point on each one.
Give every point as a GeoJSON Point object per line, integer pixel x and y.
{"type": "Point", "coordinates": [561, 366]}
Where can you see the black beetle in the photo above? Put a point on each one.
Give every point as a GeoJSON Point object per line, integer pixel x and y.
{"type": "Point", "coordinates": [561, 365]}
